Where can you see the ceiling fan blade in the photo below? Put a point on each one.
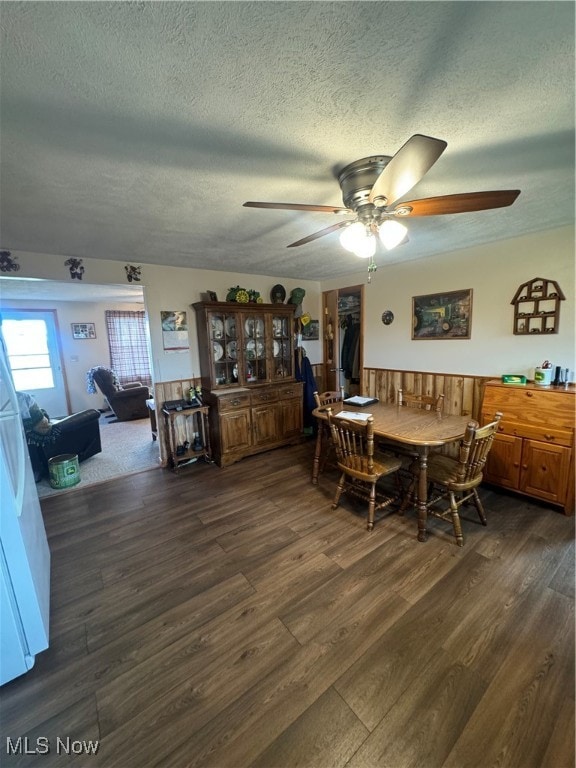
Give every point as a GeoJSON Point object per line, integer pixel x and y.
{"type": "Point", "coordinates": [298, 207]}
{"type": "Point", "coordinates": [321, 233]}
{"type": "Point", "coordinates": [462, 203]}
{"type": "Point", "coordinates": [406, 168]}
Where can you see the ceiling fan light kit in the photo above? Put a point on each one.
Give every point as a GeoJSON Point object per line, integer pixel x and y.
{"type": "Point", "coordinates": [358, 239]}
{"type": "Point", "coordinates": [392, 233]}
{"type": "Point", "coordinates": [370, 188]}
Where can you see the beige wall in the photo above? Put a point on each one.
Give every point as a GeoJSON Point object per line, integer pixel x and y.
{"type": "Point", "coordinates": [178, 288]}
{"type": "Point", "coordinates": [165, 288]}
{"type": "Point", "coordinates": [494, 272]}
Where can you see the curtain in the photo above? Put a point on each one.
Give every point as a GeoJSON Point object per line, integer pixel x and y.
{"type": "Point", "coordinates": [128, 342]}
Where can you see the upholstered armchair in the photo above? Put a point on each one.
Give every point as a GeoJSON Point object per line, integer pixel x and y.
{"type": "Point", "coordinates": [77, 434]}
{"type": "Point", "coordinates": [127, 401]}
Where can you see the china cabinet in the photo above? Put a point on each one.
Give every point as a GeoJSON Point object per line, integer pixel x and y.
{"type": "Point", "coordinates": [247, 371]}
{"type": "Point", "coordinates": [533, 452]}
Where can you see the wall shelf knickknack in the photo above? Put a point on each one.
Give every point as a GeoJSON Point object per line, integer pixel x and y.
{"type": "Point", "coordinates": [537, 307]}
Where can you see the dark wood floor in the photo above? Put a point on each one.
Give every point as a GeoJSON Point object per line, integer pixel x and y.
{"type": "Point", "coordinates": [228, 617]}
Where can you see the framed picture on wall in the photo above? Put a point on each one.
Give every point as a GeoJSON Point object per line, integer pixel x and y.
{"type": "Point", "coordinates": [442, 315]}
{"type": "Point", "coordinates": [83, 331]}
{"type": "Point", "coordinates": [311, 331]}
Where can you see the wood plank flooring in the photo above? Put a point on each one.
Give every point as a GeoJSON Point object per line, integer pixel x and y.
{"type": "Point", "coordinates": [229, 617]}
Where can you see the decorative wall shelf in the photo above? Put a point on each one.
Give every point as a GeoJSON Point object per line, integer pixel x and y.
{"type": "Point", "coordinates": [537, 307]}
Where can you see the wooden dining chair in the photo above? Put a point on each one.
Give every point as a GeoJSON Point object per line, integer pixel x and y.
{"type": "Point", "coordinates": [424, 402]}
{"type": "Point", "coordinates": [327, 398]}
{"type": "Point", "coordinates": [326, 452]}
{"type": "Point", "coordinates": [455, 480]}
{"type": "Point", "coordinates": [360, 470]}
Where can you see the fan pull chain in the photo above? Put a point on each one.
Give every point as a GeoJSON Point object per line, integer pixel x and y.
{"type": "Point", "coordinates": [372, 267]}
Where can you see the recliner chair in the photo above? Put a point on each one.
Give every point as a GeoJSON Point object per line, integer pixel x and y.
{"type": "Point", "coordinates": [77, 434]}
{"type": "Point", "coordinates": [127, 401]}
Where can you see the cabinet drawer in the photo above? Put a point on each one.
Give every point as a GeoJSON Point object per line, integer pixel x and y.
{"type": "Point", "coordinates": [532, 432]}
{"type": "Point", "coordinates": [288, 391]}
{"type": "Point", "coordinates": [260, 396]}
{"type": "Point", "coordinates": [534, 406]}
{"type": "Point", "coordinates": [232, 401]}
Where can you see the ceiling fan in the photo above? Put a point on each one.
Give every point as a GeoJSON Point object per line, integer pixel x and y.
{"type": "Point", "coordinates": [370, 188]}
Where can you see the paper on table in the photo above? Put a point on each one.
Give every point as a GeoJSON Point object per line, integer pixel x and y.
{"type": "Point", "coordinates": [354, 415]}
{"type": "Point", "coordinates": [359, 400]}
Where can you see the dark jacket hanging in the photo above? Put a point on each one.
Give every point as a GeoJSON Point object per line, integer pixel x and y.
{"type": "Point", "coordinates": [304, 373]}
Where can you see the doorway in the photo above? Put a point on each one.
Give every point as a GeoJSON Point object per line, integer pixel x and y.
{"type": "Point", "coordinates": [343, 334]}
{"type": "Point", "coordinates": [35, 357]}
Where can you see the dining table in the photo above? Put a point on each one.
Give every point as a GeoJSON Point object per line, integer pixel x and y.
{"type": "Point", "coordinates": [414, 427]}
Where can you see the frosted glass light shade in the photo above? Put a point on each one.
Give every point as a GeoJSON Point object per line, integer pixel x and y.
{"type": "Point", "coordinates": [357, 239]}
{"type": "Point", "coordinates": [391, 233]}
{"type": "Point", "coordinates": [352, 235]}
{"type": "Point", "coordinates": [366, 248]}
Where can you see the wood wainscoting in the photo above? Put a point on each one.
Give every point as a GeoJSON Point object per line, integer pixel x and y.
{"type": "Point", "coordinates": [462, 394]}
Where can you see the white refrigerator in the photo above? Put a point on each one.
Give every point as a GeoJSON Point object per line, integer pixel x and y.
{"type": "Point", "coordinates": [24, 552]}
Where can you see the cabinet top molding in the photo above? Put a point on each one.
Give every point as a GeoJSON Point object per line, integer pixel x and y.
{"type": "Point", "coordinates": [237, 305]}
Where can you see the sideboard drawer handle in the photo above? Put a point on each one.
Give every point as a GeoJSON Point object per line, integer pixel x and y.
{"type": "Point", "coordinates": [529, 394]}
{"type": "Point", "coordinates": [549, 437]}
{"type": "Point", "coordinates": [235, 402]}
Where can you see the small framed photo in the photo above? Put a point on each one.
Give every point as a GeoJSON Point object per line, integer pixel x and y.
{"type": "Point", "coordinates": [212, 296]}
{"type": "Point", "coordinates": [442, 315]}
{"type": "Point", "coordinates": [311, 331]}
{"type": "Point", "coordinates": [83, 331]}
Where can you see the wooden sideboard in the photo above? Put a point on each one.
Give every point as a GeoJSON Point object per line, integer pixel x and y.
{"type": "Point", "coordinates": [534, 450]}
{"type": "Point", "coordinates": [246, 421]}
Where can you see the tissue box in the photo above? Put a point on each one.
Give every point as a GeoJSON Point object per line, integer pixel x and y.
{"type": "Point", "coordinates": [510, 378]}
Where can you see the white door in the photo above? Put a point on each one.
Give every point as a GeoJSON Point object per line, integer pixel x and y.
{"type": "Point", "coordinates": [31, 340]}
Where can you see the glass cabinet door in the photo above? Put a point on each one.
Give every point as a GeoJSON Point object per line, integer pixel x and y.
{"type": "Point", "coordinates": [254, 348]}
{"type": "Point", "coordinates": [282, 359]}
{"type": "Point", "coordinates": [224, 347]}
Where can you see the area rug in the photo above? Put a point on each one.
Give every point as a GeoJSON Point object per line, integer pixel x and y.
{"type": "Point", "coordinates": [127, 447]}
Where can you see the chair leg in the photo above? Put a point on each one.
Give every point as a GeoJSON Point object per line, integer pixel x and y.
{"type": "Point", "coordinates": [339, 490]}
{"type": "Point", "coordinates": [456, 520]}
{"type": "Point", "coordinates": [371, 507]}
{"type": "Point", "coordinates": [479, 507]}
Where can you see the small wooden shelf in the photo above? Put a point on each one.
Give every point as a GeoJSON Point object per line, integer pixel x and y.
{"type": "Point", "coordinates": [537, 307]}
{"type": "Point", "coordinates": [185, 424]}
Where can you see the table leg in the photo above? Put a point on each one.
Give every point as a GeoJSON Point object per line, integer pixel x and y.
{"type": "Point", "coordinates": [422, 492]}
{"type": "Point", "coordinates": [317, 453]}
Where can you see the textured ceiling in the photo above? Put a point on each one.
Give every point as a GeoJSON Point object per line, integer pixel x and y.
{"type": "Point", "coordinates": [134, 131]}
